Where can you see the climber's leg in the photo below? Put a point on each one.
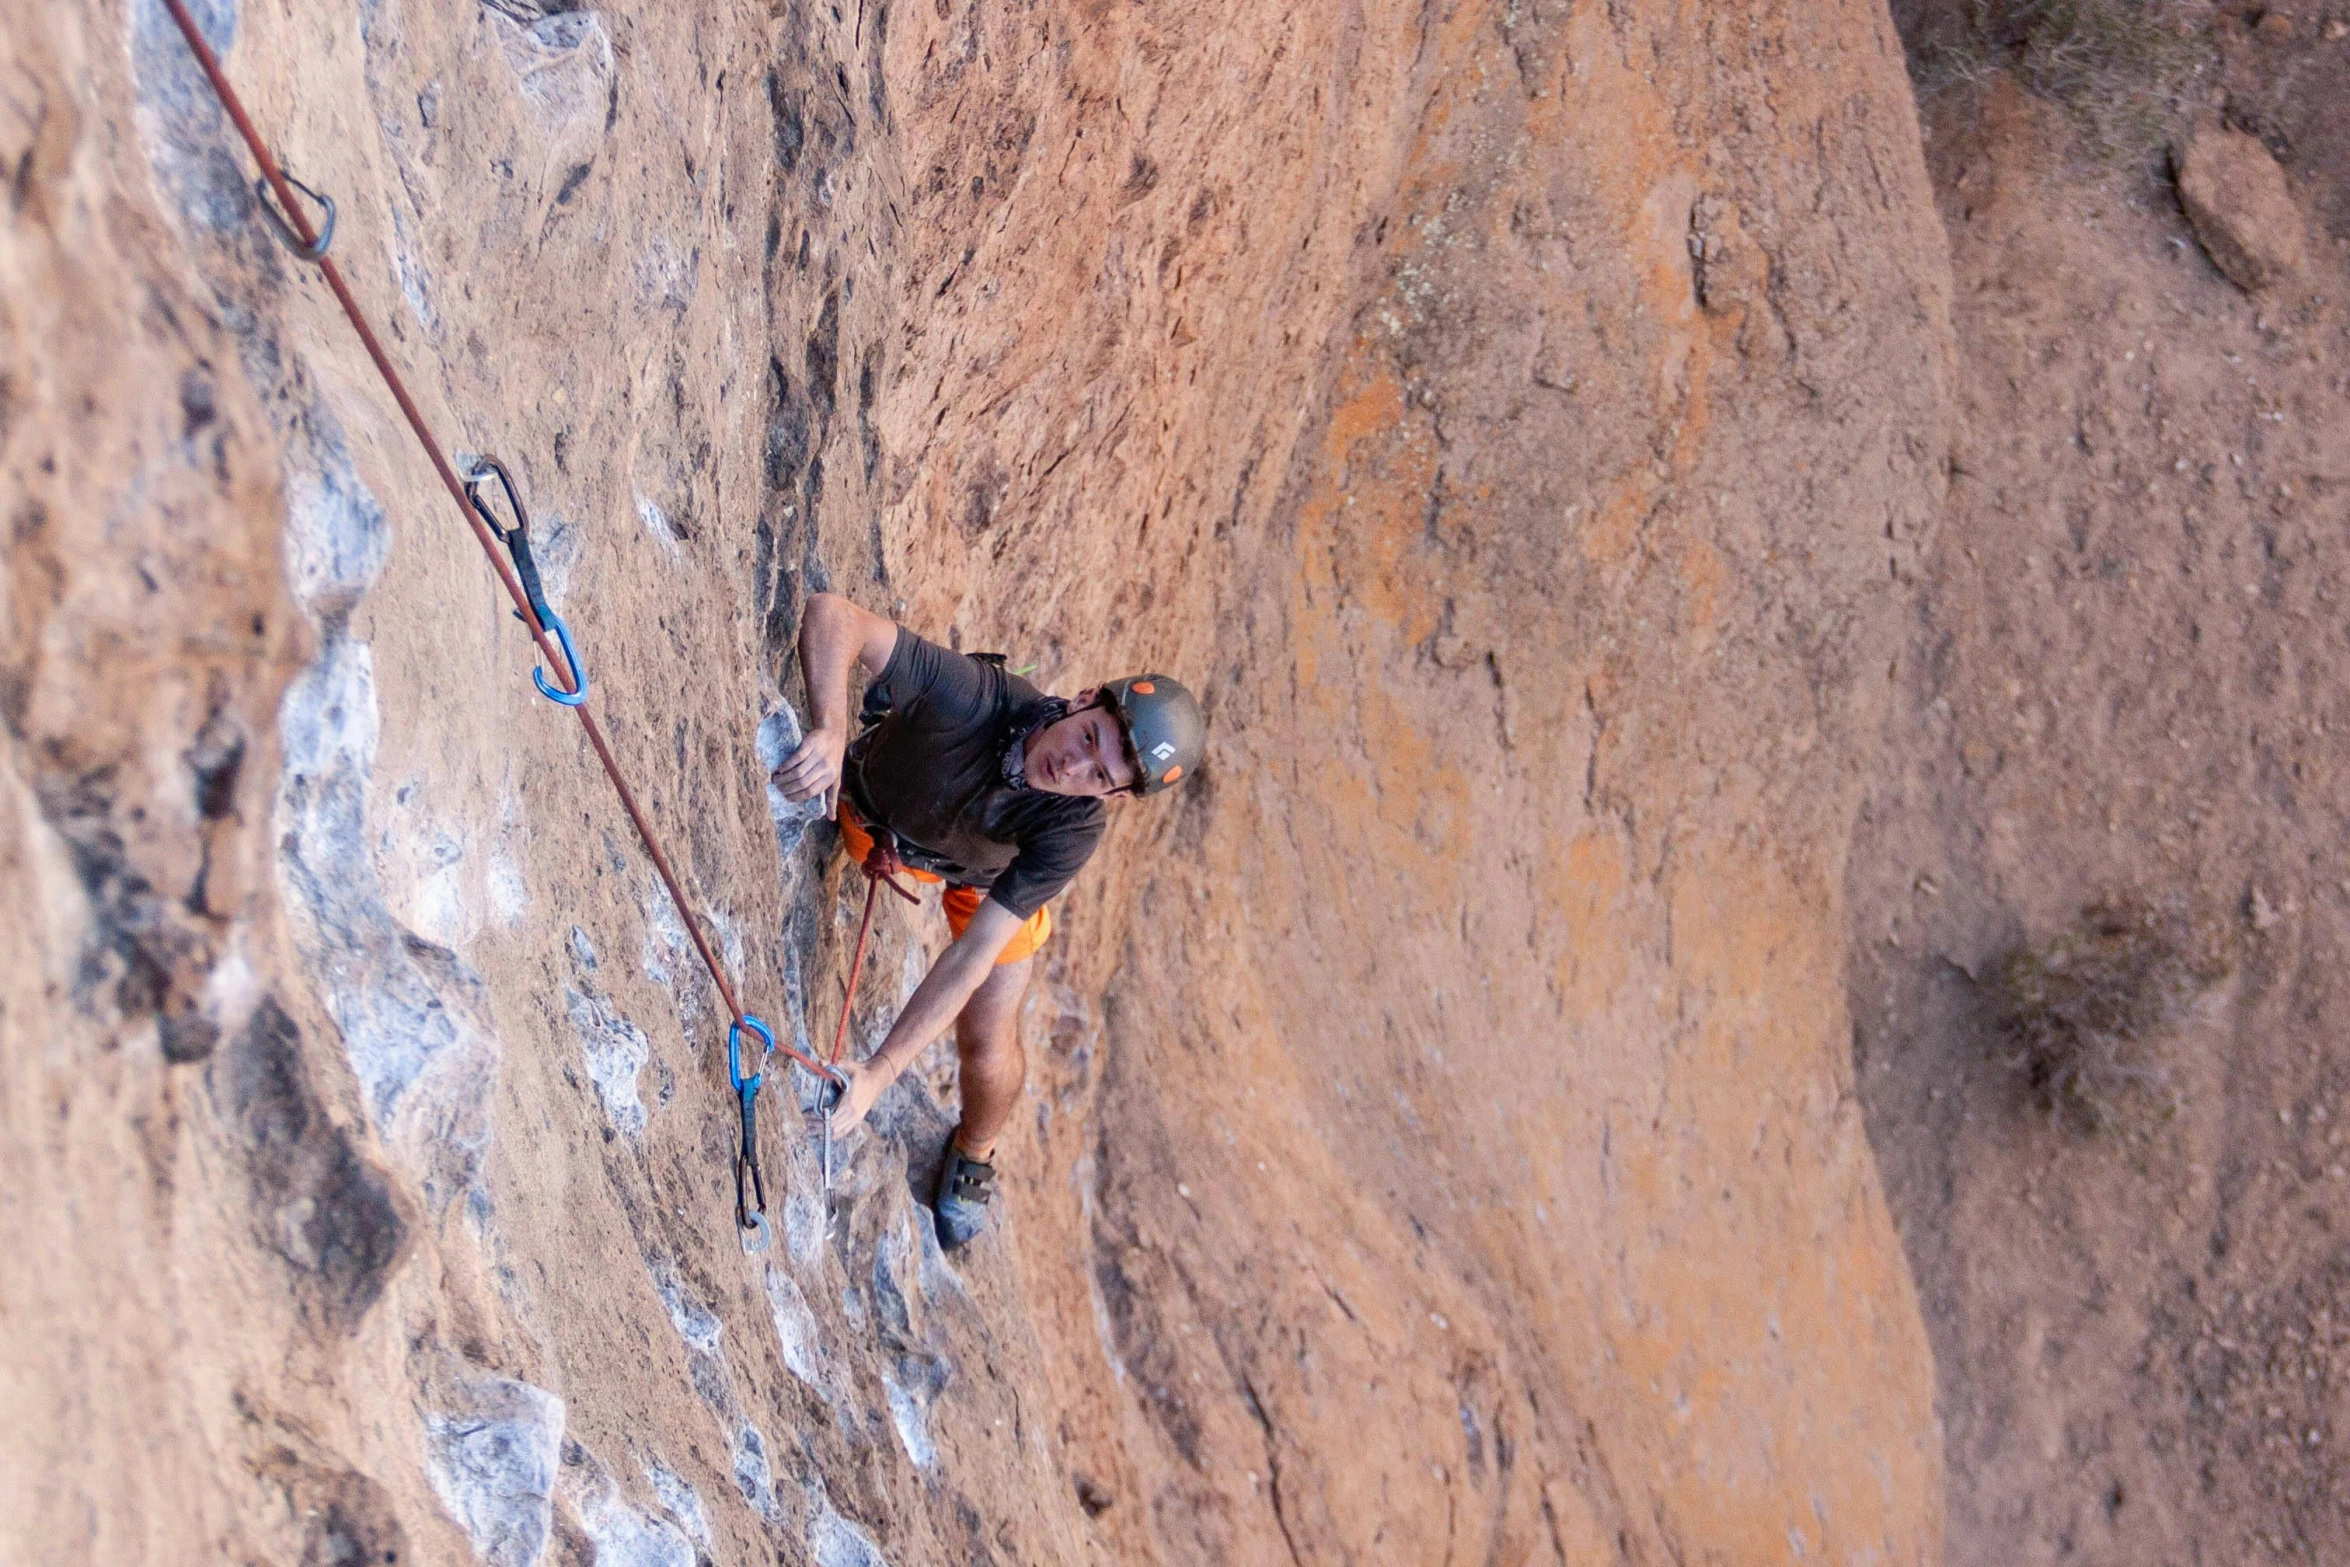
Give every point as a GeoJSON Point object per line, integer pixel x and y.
{"type": "Point", "coordinates": [993, 1066]}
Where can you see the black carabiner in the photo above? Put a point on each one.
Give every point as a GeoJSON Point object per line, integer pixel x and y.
{"type": "Point", "coordinates": [517, 538]}
{"type": "Point", "coordinates": [517, 542]}
{"type": "Point", "coordinates": [316, 249]}
{"type": "Point", "coordinates": [750, 1196]}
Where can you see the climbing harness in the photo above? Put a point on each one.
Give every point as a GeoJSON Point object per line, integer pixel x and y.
{"type": "Point", "coordinates": [287, 219]}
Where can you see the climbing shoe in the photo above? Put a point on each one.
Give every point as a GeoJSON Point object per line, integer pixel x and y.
{"type": "Point", "coordinates": [965, 1187]}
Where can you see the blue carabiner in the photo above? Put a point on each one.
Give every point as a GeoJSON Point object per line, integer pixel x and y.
{"type": "Point", "coordinates": [549, 690]}
{"type": "Point", "coordinates": [750, 1186]}
{"type": "Point", "coordinates": [734, 1053]}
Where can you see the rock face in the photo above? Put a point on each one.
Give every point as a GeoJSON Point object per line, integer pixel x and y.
{"type": "Point", "coordinates": [1522, 422]}
{"type": "Point", "coordinates": [2235, 195]}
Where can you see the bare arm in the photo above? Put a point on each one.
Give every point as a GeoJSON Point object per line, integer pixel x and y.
{"type": "Point", "coordinates": [930, 1011]}
{"type": "Point", "coordinates": [835, 637]}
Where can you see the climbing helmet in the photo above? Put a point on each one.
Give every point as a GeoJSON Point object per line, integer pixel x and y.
{"type": "Point", "coordinates": [1164, 727]}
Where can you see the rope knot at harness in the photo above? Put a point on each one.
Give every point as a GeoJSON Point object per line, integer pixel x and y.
{"type": "Point", "coordinates": [883, 867]}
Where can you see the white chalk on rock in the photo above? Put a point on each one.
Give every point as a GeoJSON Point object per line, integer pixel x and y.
{"type": "Point", "coordinates": [493, 1466]}
{"type": "Point", "coordinates": [624, 1537]}
{"type": "Point", "coordinates": [836, 1542]}
{"type": "Point", "coordinates": [616, 1051]}
{"type": "Point", "coordinates": [779, 736]}
{"type": "Point", "coordinates": [683, 1502]}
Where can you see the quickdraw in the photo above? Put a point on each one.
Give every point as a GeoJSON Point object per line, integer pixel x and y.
{"type": "Point", "coordinates": [750, 1197]}
{"type": "Point", "coordinates": [517, 542]}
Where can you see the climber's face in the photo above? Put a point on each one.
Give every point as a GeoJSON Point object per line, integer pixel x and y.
{"type": "Point", "coordinates": [1082, 754]}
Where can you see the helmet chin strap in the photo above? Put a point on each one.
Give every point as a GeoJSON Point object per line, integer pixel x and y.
{"type": "Point", "coordinates": [1014, 765]}
{"type": "Point", "coordinates": [1125, 739]}
{"type": "Point", "coordinates": [1101, 703]}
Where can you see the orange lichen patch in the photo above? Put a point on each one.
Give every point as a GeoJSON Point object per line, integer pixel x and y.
{"type": "Point", "coordinates": [1755, 1267]}
{"type": "Point", "coordinates": [1356, 534]}
{"type": "Point", "coordinates": [1369, 404]}
{"type": "Point", "coordinates": [1703, 576]}
{"type": "Point", "coordinates": [1612, 534]}
{"type": "Point", "coordinates": [1587, 883]}
{"type": "Point", "coordinates": [1385, 458]}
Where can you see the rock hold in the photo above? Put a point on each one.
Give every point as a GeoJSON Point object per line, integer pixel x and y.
{"type": "Point", "coordinates": [779, 736]}
{"type": "Point", "coordinates": [493, 1467]}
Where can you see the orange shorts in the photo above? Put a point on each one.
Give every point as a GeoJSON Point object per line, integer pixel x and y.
{"type": "Point", "coordinates": [961, 902]}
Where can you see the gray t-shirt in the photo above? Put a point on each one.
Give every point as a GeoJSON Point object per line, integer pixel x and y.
{"type": "Point", "coordinates": [929, 767]}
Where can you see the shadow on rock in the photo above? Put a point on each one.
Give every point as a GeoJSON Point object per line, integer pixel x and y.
{"type": "Point", "coordinates": [318, 1205]}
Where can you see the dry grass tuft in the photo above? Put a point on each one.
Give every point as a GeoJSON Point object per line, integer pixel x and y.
{"type": "Point", "coordinates": [2086, 1016]}
{"type": "Point", "coordinates": [2124, 66]}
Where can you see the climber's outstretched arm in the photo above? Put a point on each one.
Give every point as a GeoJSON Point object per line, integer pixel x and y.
{"type": "Point", "coordinates": [930, 1011]}
{"type": "Point", "coordinates": [834, 636]}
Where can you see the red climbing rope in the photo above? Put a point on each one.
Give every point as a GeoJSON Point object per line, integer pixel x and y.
{"type": "Point", "coordinates": [312, 247]}
{"type": "Point", "coordinates": [881, 865]}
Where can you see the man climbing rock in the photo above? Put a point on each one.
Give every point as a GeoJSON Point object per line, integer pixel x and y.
{"type": "Point", "coordinates": [976, 779]}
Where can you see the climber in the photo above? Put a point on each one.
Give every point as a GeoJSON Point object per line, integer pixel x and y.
{"type": "Point", "coordinates": [978, 780]}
